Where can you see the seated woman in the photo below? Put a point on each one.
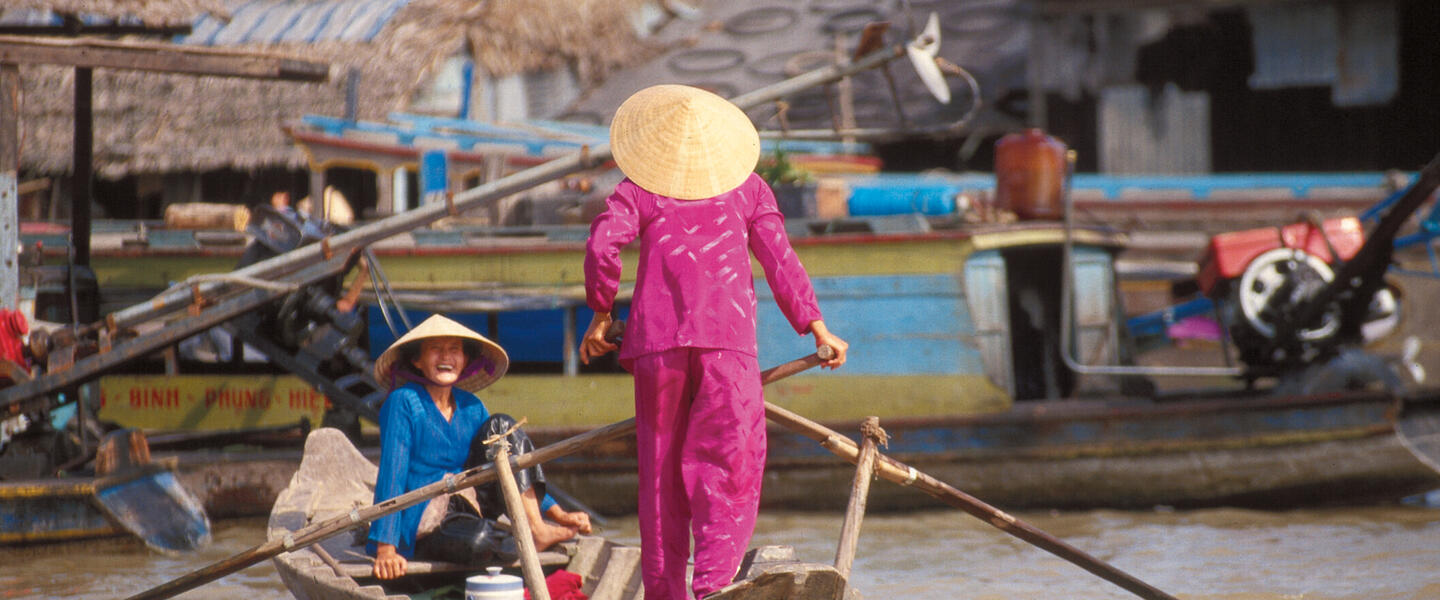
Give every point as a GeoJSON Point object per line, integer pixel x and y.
{"type": "Point", "coordinates": [433, 424]}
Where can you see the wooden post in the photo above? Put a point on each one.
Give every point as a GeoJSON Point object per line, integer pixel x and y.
{"type": "Point", "coordinates": [529, 558]}
{"type": "Point", "coordinates": [317, 186]}
{"type": "Point", "coordinates": [571, 348]}
{"type": "Point", "coordinates": [871, 437]}
{"type": "Point", "coordinates": [847, 92]}
{"type": "Point", "coordinates": [9, 185]}
{"type": "Point", "coordinates": [82, 158]}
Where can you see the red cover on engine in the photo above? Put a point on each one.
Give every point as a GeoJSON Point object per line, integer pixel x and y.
{"type": "Point", "coordinates": [1229, 253]}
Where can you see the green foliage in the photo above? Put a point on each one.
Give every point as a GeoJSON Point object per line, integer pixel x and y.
{"type": "Point", "coordinates": [778, 170]}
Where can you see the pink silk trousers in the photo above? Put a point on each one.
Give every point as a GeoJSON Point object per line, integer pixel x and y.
{"type": "Point", "coordinates": [700, 433]}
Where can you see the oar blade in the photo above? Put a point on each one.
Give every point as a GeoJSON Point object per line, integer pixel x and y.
{"type": "Point", "coordinates": [152, 505]}
{"type": "Point", "coordinates": [1419, 430]}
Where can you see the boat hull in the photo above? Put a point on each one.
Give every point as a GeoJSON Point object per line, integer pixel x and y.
{"type": "Point", "coordinates": [51, 511]}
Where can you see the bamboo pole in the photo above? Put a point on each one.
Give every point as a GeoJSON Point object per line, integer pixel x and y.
{"type": "Point", "coordinates": [529, 558]}
{"type": "Point", "coordinates": [898, 472]}
{"type": "Point", "coordinates": [871, 437]}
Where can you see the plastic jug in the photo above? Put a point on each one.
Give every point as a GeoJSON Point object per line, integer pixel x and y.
{"type": "Point", "coordinates": [494, 586]}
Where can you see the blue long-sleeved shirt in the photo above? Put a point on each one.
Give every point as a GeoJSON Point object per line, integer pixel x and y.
{"type": "Point", "coordinates": [417, 448]}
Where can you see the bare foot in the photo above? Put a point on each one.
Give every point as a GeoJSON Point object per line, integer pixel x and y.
{"type": "Point", "coordinates": [548, 534]}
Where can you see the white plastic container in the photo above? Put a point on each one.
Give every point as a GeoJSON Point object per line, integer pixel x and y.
{"type": "Point", "coordinates": [494, 586]}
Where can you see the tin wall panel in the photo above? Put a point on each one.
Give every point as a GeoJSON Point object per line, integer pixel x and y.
{"type": "Point", "coordinates": [985, 291]}
{"type": "Point", "coordinates": [1368, 64]}
{"type": "Point", "coordinates": [1168, 134]}
{"type": "Point", "coordinates": [1295, 44]}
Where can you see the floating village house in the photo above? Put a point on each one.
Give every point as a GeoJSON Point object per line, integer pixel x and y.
{"type": "Point", "coordinates": [161, 139]}
{"type": "Point", "coordinates": [1136, 86]}
{"type": "Point", "coordinates": [1156, 86]}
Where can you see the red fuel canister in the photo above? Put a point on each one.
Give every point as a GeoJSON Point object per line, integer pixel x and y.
{"type": "Point", "coordinates": [1030, 174]}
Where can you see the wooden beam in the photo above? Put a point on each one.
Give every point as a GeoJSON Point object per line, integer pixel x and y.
{"type": "Point", "coordinates": [82, 170]}
{"type": "Point", "coordinates": [1055, 7]}
{"type": "Point", "coordinates": [163, 58]}
{"type": "Point", "coordinates": [9, 180]}
{"type": "Point", "coordinates": [104, 29]}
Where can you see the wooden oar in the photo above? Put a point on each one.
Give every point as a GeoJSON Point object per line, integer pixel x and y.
{"type": "Point", "coordinates": [470, 478]}
{"type": "Point", "coordinates": [529, 558]}
{"type": "Point", "coordinates": [1418, 428]}
{"type": "Point", "coordinates": [144, 498]}
{"type": "Point", "coordinates": [151, 504]}
{"type": "Point", "coordinates": [898, 472]}
{"type": "Point", "coordinates": [871, 436]}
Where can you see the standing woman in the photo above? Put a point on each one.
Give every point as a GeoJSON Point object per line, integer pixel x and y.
{"type": "Point", "coordinates": [432, 424]}
{"type": "Point", "coordinates": [693, 199]}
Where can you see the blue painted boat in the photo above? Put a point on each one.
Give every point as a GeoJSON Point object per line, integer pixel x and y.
{"type": "Point", "coordinates": [954, 346]}
{"type": "Point", "coordinates": [51, 510]}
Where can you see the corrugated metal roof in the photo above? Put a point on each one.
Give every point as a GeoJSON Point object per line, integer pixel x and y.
{"type": "Point", "coordinates": [291, 21]}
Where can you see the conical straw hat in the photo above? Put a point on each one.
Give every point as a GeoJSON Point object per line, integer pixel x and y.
{"type": "Point", "coordinates": [486, 366]}
{"type": "Point", "coordinates": [683, 142]}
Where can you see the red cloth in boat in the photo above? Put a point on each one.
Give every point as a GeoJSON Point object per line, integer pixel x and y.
{"type": "Point", "coordinates": [562, 585]}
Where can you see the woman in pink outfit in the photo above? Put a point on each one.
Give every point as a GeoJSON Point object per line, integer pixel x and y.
{"type": "Point", "coordinates": [692, 198]}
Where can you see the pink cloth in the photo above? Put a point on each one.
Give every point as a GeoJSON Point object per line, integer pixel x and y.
{"type": "Point", "coordinates": [693, 286]}
{"type": "Point", "coordinates": [700, 433]}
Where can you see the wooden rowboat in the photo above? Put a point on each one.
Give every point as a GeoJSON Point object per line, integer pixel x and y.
{"type": "Point", "coordinates": [335, 478]}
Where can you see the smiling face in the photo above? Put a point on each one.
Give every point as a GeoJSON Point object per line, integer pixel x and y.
{"type": "Point", "coordinates": [440, 359]}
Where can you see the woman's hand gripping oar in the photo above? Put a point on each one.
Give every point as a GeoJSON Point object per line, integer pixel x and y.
{"type": "Point", "coordinates": [478, 475]}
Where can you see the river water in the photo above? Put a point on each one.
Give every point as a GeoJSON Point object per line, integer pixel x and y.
{"type": "Point", "coordinates": [1369, 553]}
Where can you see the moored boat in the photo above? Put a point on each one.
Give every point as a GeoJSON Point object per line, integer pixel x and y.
{"type": "Point", "coordinates": [953, 359]}
{"type": "Point", "coordinates": [51, 510]}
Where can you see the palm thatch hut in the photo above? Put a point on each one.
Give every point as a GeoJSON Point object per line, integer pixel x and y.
{"type": "Point", "coordinates": [156, 13]}
{"type": "Point", "coordinates": [164, 138]}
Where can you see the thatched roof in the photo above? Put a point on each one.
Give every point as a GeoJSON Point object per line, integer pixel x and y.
{"type": "Point", "coordinates": [154, 123]}
{"type": "Point", "coordinates": [150, 12]}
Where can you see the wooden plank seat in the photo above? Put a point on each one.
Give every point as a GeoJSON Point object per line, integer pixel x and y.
{"type": "Point", "coordinates": [357, 565]}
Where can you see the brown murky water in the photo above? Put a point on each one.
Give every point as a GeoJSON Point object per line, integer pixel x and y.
{"type": "Point", "coordinates": [1372, 553]}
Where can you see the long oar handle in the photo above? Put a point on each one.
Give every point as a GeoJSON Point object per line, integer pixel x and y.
{"type": "Point", "coordinates": [898, 472]}
{"type": "Point", "coordinates": [778, 372]}
{"type": "Point", "coordinates": [478, 475]}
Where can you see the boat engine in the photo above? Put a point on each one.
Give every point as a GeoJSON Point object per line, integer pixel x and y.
{"type": "Point", "coordinates": [1265, 281]}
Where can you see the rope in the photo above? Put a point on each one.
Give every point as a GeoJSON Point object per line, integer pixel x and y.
{"type": "Point", "coordinates": [502, 435]}
{"type": "Point", "coordinates": [873, 430]}
{"type": "Point", "coordinates": [254, 282]}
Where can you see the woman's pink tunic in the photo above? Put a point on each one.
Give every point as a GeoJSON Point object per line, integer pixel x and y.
{"type": "Point", "coordinates": [693, 286]}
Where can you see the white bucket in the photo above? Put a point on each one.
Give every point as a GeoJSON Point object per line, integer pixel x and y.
{"type": "Point", "coordinates": [495, 586]}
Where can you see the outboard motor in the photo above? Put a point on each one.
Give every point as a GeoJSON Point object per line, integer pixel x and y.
{"type": "Point", "coordinates": [1263, 278]}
